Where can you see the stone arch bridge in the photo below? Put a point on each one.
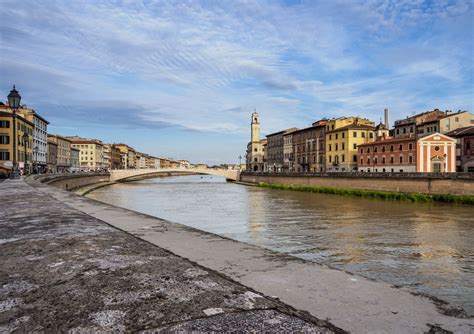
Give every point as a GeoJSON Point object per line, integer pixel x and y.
{"type": "Point", "coordinates": [127, 174]}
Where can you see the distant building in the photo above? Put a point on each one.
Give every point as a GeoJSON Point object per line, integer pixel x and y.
{"type": "Point", "coordinates": [434, 153]}
{"type": "Point", "coordinates": [91, 155]}
{"type": "Point", "coordinates": [255, 157]}
{"type": "Point", "coordinates": [275, 157]}
{"type": "Point", "coordinates": [152, 162]}
{"type": "Point", "coordinates": [115, 157]}
{"type": "Point", "coordinates": [127, 154]}
{"type": "Point", "coordinates": [39, 140]}
{"type": "Point", "coordinates": [75, 164]}
{"type": "Point", "coordinates": [464, 148]}
{"type": "Point", "coordinates": [185, 163]}
{"type": "Point", "coordinates": [343, 136]}
{"type": "Point", "coordinates": [52, 157]}
{"type": "Point", "coordinates": [288, 152]}
{"type": "Point", "coordinates": [63, 152]}
{"type": "Point", "coordinates": [430, 122]}
{"type": "Point", "coordinates": [24, 127]}
{"type": "Point", "coordinates": [309, 148]}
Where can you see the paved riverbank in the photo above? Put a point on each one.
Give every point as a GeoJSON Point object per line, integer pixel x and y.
{"type": "Point", "coordinates": [62, 269]}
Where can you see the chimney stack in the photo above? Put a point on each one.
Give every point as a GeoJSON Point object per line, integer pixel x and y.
{"type": "Point", "coordinates": [386, 118]}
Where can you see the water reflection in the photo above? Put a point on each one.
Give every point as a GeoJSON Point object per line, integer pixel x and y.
{"type": "Point", "coordinates": [426, 247]}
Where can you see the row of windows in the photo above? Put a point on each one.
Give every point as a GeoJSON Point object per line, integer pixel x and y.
{"type": "Point", "coordinates": [400, 148]}
{"type": "Point", "coordinates": [4, 124]}
{"type": "Point", "coordinates": [354, 134]}
{"type": "Point", "coordinates": [392, 160]}
{"type": "Point", "coordinates": [343, 147]}
{"type": "Point", "coordinates": [342, 159]}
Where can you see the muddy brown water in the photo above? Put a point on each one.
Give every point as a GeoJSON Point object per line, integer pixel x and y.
{"type": "Point", "coordinates": [427, 248]}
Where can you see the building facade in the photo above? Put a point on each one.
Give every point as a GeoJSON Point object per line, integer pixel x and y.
{"type": "Point", "coordinates": [464, 148]}
{"type": "Point", "coordinates": [75, 162]}
{"type": "Point", "coordinates": [115, 157]}
{"type": "Point", "coordinates": [63, 152]}
{"type": "Point", "coordinates": [288, 152]}
{"type": "Point", "coordinates": [275, 148]}
{"type": "Point", "coordinates": [436, 153]}
{"type": "Point", "coordinates": [39, 140]}
{"type": "Point", "coordinates": [91, 156]}
{"type": "Point", "coordinates": [309, 148]}
{"type": "Point", "coordinates": [255, 156]}
{"type": "Point", "coordinates": [23, 135]}
{"type": "Point", "coordinates": [52, 157]}
{"type": "Point", "coordinates": [343, 136]}
{"type": "Point", "coordinates": [386, 154]}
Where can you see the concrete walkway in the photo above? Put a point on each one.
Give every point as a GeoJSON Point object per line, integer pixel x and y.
{"type": "Point", "coordinates": [64, 270]}
{"type": "Point", "coordinates": [350, 302]}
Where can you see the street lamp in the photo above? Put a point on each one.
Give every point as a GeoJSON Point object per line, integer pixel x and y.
{"type": "Point", "coordinates": [14, 102]}
{"type": "Point", "coordinates": [240, 162]}
{"type": "Point", "coordinates": [35, 159]}
{"type": "Point", "coordinates": [25, 138]}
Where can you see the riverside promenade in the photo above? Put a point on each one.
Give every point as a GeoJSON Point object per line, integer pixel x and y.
{"type": "Point", "coordinates": [58, 228]}
{"type": "Point", "coordinates": [64, 270]}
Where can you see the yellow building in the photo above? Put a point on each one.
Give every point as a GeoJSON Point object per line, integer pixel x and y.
{"type": "Point", "coordinates": [342, 137]}
{"type": "Point", "coordinates": [63, 152]}
{"type": "Point", "coordinates": [23, 127]}
{"type": "Point", "coordinates": [91, 153]}
{"type": "Point", "coordinates": [128, 155]}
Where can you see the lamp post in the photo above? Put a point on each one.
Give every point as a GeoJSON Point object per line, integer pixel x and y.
{"type": "Point", "coordinates": [35, 159]}
{"type": "Point", "coordinates": [240, 162]}
{"type": "Point", "coordinates": [14, 102]}
{"type": "Point", "coordinates": [25, 138]}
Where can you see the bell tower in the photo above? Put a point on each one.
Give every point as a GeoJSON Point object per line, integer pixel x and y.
{"type": "Point", "coordinates": [255, 128]}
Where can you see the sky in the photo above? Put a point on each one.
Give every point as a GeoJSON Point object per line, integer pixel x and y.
{"type": "Point", "coordinates": [181, 78]}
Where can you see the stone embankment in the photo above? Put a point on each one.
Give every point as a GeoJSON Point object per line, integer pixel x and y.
{"type": "Point", "coordinates": [68, 263]}
{"type": "Point", "coordinates": [64, 270]}
{"type": "Point", "coordinates": [455, 184]}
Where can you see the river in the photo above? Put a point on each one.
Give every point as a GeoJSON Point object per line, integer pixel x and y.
{"type": "Point", "coordinates": [427, 248]}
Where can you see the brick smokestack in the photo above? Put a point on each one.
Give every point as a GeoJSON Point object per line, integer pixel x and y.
{"type": "Point", "coordinates": [386, 118]}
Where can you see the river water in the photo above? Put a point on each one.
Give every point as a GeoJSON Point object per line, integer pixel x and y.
{"type": "Point", "coordinates": [427, 248]}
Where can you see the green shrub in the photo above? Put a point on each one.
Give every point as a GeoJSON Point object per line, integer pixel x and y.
{"type": "Point", "coordinates": [387, 195]}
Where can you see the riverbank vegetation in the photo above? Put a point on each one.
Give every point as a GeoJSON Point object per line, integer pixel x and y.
{"type": "Point", "coordinates": [387, 195]}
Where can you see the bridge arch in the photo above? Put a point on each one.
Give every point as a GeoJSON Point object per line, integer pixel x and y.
{"type": "Point", "coordinates": [126, 174]}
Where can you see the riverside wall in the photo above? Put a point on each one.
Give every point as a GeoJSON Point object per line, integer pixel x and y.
{"type": "Point", "coordinates": [73, 181]}
{"type": "Point", "coordinates": [410, 183]}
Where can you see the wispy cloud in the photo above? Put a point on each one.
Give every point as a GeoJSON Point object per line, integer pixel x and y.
{"type": "Point", "coordinates": [204, 66]}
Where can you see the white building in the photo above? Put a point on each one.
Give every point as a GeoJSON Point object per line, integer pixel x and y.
{"type": "Point", "coordinates": [40, 138]}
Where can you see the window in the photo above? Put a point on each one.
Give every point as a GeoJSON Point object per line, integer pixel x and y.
{"type": "Point", "coordinates": [410, 146]}
{"type": "Point", "coordinates": [355, 146]}
{"type": "Point", "coordinates": [383, 160]}
{"type": "Point", "coordinates": [343, 135]}
{"type": "Point", "coordinates": [4, 125]}
{"type": "Point", "coordinates": [401, 159]}
{"type": "Point", "coordinates": [398, 131]}
{"type": "Point", "coordinates": [255, 150]}
{"type": "Point", "coordinates": [330, 137]}
{"type": "Point", "coordinates": [391, 148]}
{"type": "Point", "coordinates": [375, 149]}
{"type": "Point", "coordinates": [354, 134]}
{"type": "Point", "coordinates": [337, 147]}
{"type": "Point", "coordinates": [342, 158]}
{"type": "Point", "coordinates": [375, 160]}
{"type": "Point", "coordinates": [410, 159]}
{"type": "Point", "coordinates": [4, 155]}
{"type": "Point", "coordinates": [363, 134]}
{"type": "Point", "coordinates": [383, 148]}
{"type": "Point", "coordinates": [354, 158]}
{"type": "Point", "coordinates": [371, 135]}
{"type": "Point", "coordinates": [368, 161]}
{"type": "Point", "coordinates": [411, 129]}
{"type": "Point", "coordinates": [368, 149]}
{"type": "Point", "coordinates": [361, 161]}
{"type": "Point", "coordinates": [4, 139]}
{"type": "Point", "coordinates": [404, 130]}
{"type": "Point", "coordinates": [391, 160]}
{"type": "Point", "coordinates": [330, 147]}
{"type": "Point", "coordinates": [400, 147]}
{"type": "Point", "coordinates": [343, 146]}
{"type": "Point", "coordinates": [330, 158]}
{"type": "Point", "coordinates": [336, 136]}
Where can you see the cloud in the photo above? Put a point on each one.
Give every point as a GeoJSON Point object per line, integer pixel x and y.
{"type": "Point", "coordinates": [204, 66]}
